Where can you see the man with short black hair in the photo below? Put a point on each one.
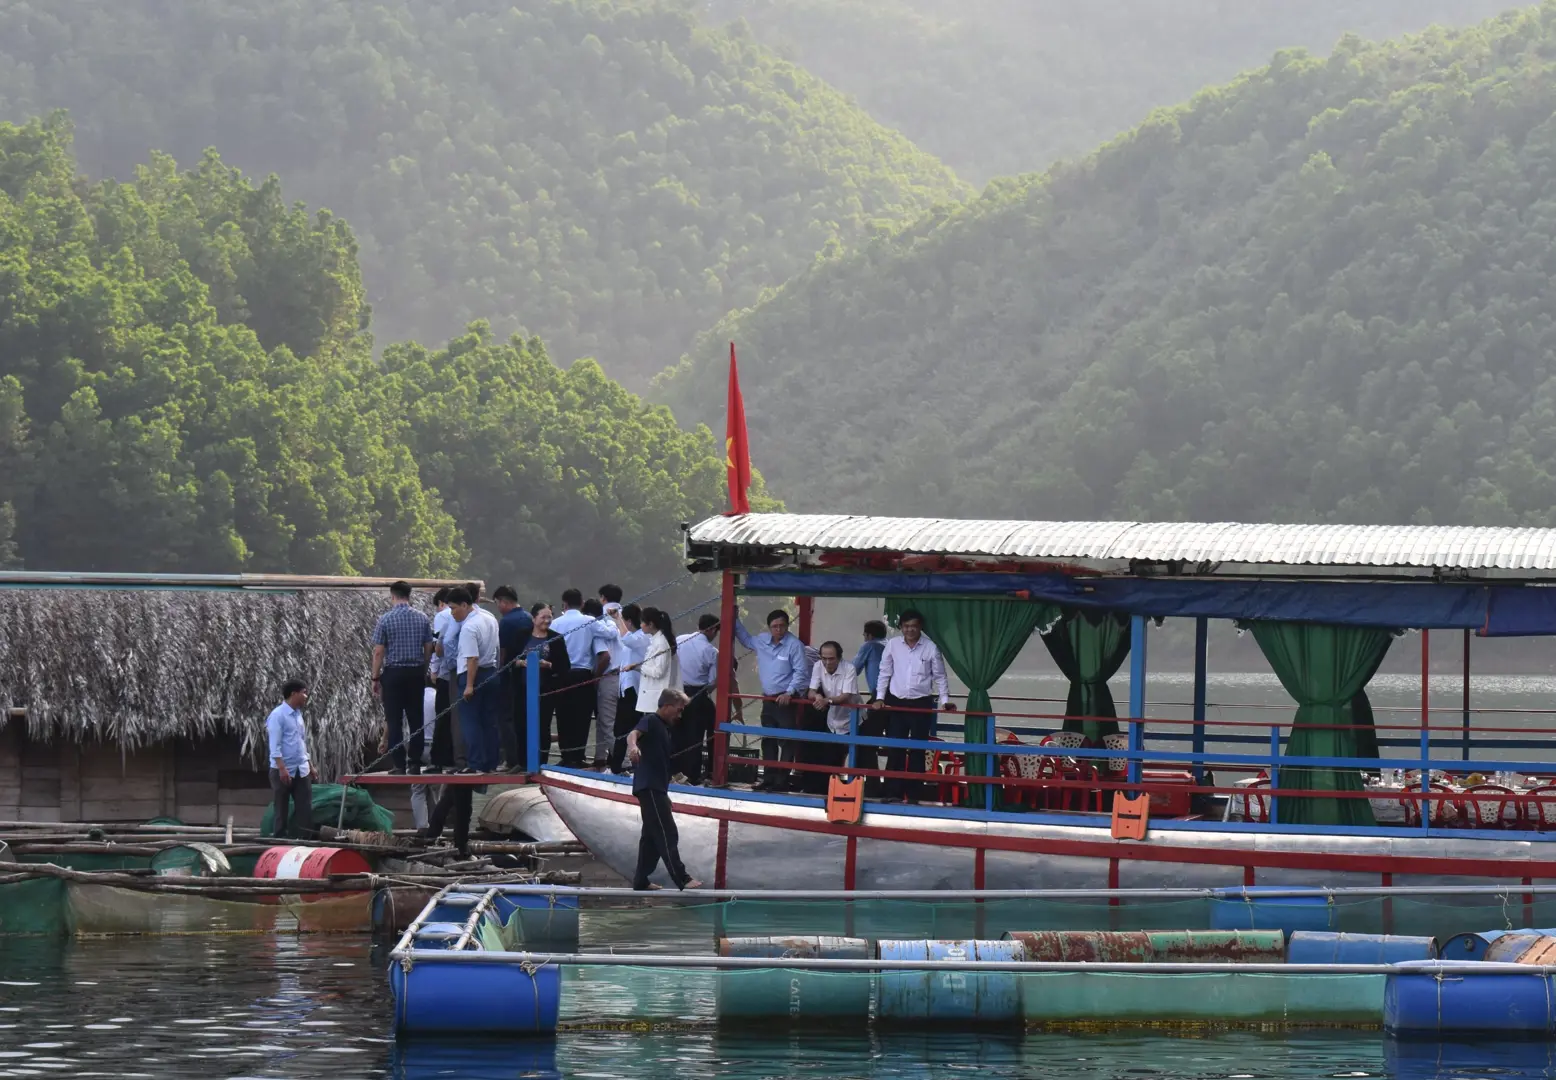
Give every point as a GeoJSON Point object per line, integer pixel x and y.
{"type": "Point", "coordinates": [402, 645]}
{"type": "Point", "coordinates": [514, 628]}
{"type": "Point", "coordinates": [607, 692]}
{"type": "Point", "coordinates": [648, 748]}
{"type": "Point", "coordinates": [443, 721]}
{"type": "Point", "coordinates": [784, 675]}
{"type": "Point", "coordinates": [699, 675]}
{"type": "Point", "coordinates": [481, 694]}
{"type": "Point", "coordinates": [576, 707]}
{"type": "Point", "coordinates": [291, 777]}
{"type": "Point", "coordinates": [912, 676]}
{"type": "Point", "coordinates": [867, 662]}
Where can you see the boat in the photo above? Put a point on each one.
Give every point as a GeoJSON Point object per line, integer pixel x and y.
{"type": "Point", "coordinates": [1320, 588]}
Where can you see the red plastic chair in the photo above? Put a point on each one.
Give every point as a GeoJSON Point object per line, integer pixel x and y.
{"type": "Point", "coordinates": [1491, 806]}
{"type": "Point", "coordinates": [1540, 815]}
{"type": "Point", "coordinates": [1256, 808]}
{"type": "Point", "coordinates": [946, 763]}
{"type": "Point", "coordinates": [1441, 812]}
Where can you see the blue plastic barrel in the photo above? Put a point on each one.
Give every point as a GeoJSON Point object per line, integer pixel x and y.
{"type": "Point", "coordinates": [961, 997]}
{"type": "Point", "coordinates": [434, 1058]}
{"type": "Point", "coordinates": [540, 918]}
{"type": "Point", "coordinates": [1433, 1059]}
{"type": "Point", "coordinates": [441, 935]}
{"type": "Point", "coordinates": [1285, 913]}
{"type": "Point", "coordinates": [1462, 947]}
{"type": "Point", "coordinates": [1321, 947]}
{"type": "Point", "coordinates": [450, 997]}
{"type": "Point", "coordinates": [1422, 1000]}
{"type": "Point", "coordinates": [814, 997]}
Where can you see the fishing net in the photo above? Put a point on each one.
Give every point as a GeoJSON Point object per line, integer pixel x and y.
{"type": "Point", "coordinates": [361, 812]}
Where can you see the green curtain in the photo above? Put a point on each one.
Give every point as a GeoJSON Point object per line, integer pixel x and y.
{"type": "Point", "coordinates": [1324, 668]}
{"type": "Point", "coordinates": [1089, 647]}
{"type": "Point", "coordinates": [979, 639]}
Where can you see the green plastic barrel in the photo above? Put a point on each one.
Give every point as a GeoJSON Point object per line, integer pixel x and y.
{"type": "Point", "coordinates": [814, 998]}
{"type": "Point", "coordinates": [191, 860]}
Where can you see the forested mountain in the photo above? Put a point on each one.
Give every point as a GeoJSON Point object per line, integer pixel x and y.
{"type": "Point", "coordinates": [610, 174]}
{"type": "Point", "coordinates": [1323, 292]}
{"type": "Point", "coordinates": [999, 87]}
{"type": "Point", "coordinates": [186, 384]}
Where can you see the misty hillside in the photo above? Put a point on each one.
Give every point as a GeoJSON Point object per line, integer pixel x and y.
{"type": "Point", "coordinates": [609, 174]}
{"type": "Point", "coordinates": [186, 385]}
{"type": "Point", "coordinates": [998, 87]}
{"type": "Point", "coordinates": [1324, 292]}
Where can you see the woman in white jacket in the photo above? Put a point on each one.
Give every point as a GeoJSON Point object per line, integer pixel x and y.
{"type": "Point", "coordinates": [661, 668]}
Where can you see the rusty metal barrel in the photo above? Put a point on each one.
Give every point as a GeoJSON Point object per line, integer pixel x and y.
{"type": "Point", "coordinates": [1153, 946]}
{"type": "Point", "coordinates": [1536, 949]}
{"type": "Point", "coordinates": [811, 997]}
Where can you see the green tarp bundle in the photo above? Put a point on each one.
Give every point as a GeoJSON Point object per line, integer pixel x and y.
{"type": "Point", "coordinates": [361, 812]}
{"type": "Point", "coordinates": [1325, 669]}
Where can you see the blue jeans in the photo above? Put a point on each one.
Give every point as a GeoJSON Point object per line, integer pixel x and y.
{"type": "Point", "coordinates": [480, 719]}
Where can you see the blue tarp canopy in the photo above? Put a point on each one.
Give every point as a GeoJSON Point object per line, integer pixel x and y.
{"type": "Point", "coordinates": [1490, 610]}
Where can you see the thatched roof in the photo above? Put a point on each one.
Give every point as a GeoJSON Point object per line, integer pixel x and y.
{"type": "Point", "coordinates": [136, 666]}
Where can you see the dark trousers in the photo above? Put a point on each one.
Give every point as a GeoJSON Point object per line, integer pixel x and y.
{"type": "Point", "coordinates": [300, 792]}
{"type": "Point", "coordinates": [443, 729]}
{"type": "Point", "coordinates": [871, 722]}
{"type": "Point", "coordinates": [457, 799]}
{"type": "Point", "coordinates": [626, 720]}
{"type": "Point", "coordinates": [810, 753]}
{"type": "Point", "coordinates": [901, 724]}
{"type": "Point", "coordinates": [481, 719]}
{"type": "Point", "coordinates": [514, 722]}
{"type": "Point", "coordinates": [402, 691]}
{"type": "Point", "coordinates": [574, 713]}
{"type": "Point", "coordinates": [660, 840]}
{"type": "Point", "coordinates": [687, 737]}
{"type": "Point", "coordinates": [787, 717]}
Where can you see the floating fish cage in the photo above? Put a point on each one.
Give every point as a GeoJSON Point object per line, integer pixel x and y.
{"type": "Point", "coordinates": [518, 960]}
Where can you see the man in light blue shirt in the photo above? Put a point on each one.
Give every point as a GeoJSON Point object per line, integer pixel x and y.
{"type": "Point", "coordinates": [693, 736]}
{"type": "Point", "coordinates": [784, 675]}
{"type": "Point", "coordinates": [575, 709]}
{"type": "Point", "coordinates": [287, 751]}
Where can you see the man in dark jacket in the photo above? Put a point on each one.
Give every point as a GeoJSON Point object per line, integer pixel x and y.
{"type": "Point", "coordinates": [648, 748]}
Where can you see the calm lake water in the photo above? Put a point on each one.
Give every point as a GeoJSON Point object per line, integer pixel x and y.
{"type": "Point", "coordinates": [319, 1006]}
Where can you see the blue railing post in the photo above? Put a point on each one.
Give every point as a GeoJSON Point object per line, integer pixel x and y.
{"type": "Point", "coordinates": [988, 789]}
{"type": "Point", "coordinates": [1426, 733]}
{"type": "Point", "coordinates": [532, 749]}
{"type": "Point", "coordinates": [1137, 630]}
{"type": "Point", "coordinates": [1274, 773]}
{"type": "Point", "coordinates": [1201, 651]}
{"type": "Point", "coordinates": [853, 733]}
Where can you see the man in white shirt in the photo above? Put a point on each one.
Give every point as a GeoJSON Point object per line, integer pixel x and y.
{"type": "Point", "coordinates": [834, 686]}
{"type": "Point", "coordinates": [607, 692]}
{"type": "Point", "coordinates": [480, 713]}
{"type": "Point", "coordinates": [633, 643]}
{"type": "Point", "coordinates": [911, 679]}
{"type": "Point", "coordinates": [700, 675]}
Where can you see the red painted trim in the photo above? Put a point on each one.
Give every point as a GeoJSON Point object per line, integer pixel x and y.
{"type": "Point", "coordinates": [807, 606]}
{"type": "Point", "coordinates": [726, 677]}
{"type": "Point", "coordinates": [1109, 849]}
{"type": "Point", "coordinates": [1113, 880]}
{"type": "Point", "coordinates": [850, 863]}
{"type": "Point", "coordinates": [979, 857]}
{"type": "Point", "coordinates": [721, 859]}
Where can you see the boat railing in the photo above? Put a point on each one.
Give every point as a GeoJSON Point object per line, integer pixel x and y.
{"type": "Point", "coordinates": [1003, 772]}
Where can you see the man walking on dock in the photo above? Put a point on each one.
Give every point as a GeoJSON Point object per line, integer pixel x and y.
{"type": "Point", "coordinates": [290, 776]}
{"type": "Point", "coordinates": [648, 748]}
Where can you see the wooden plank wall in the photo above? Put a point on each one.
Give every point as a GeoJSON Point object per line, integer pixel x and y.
{"type": "Point", "coordinates": [199, 782]}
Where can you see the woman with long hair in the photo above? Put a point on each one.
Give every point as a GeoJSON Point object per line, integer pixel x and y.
{"type": "Point", "coordinates": [547, 653]}
{"type": "Point", "coordinates": [661, 668]}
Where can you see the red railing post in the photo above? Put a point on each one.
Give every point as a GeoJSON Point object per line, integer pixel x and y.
{"type": "Point", "coordinates": [807, 606]}
{"type": "Point", "coordinates": [723, 699]}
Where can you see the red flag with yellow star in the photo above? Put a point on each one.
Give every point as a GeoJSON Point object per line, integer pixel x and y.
{"type": "Point", "coordinates": [737, 447]}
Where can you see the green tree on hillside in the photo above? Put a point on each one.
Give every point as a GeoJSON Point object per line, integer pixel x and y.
{"type": "Point", "coordinates": [608, 174]}
{"type": "Point", "coordinates": [1323, 292]}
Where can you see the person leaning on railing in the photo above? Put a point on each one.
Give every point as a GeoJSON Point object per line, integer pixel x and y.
{"type": "Point", "coordinates": [784, 674]}
{"type": "Point", "coordinates": [912, 677]}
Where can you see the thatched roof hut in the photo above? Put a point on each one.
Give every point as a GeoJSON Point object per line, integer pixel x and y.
{"type": "Point", "coordinates": [134, 660]}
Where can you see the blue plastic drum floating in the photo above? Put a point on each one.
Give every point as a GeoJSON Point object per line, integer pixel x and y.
{"type": "Point", "coordinates": [964, 997]}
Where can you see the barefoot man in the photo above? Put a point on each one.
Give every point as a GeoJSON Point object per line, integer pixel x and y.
{"type": "Point", "coordinates": [648, 748]}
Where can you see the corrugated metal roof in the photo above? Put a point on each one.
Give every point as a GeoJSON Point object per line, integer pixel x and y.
{"type": "Point", "coordinates": [1358, 546]}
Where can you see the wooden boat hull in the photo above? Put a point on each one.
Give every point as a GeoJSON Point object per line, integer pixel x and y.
{"type": "Point", "coordinates": [756, 841]}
